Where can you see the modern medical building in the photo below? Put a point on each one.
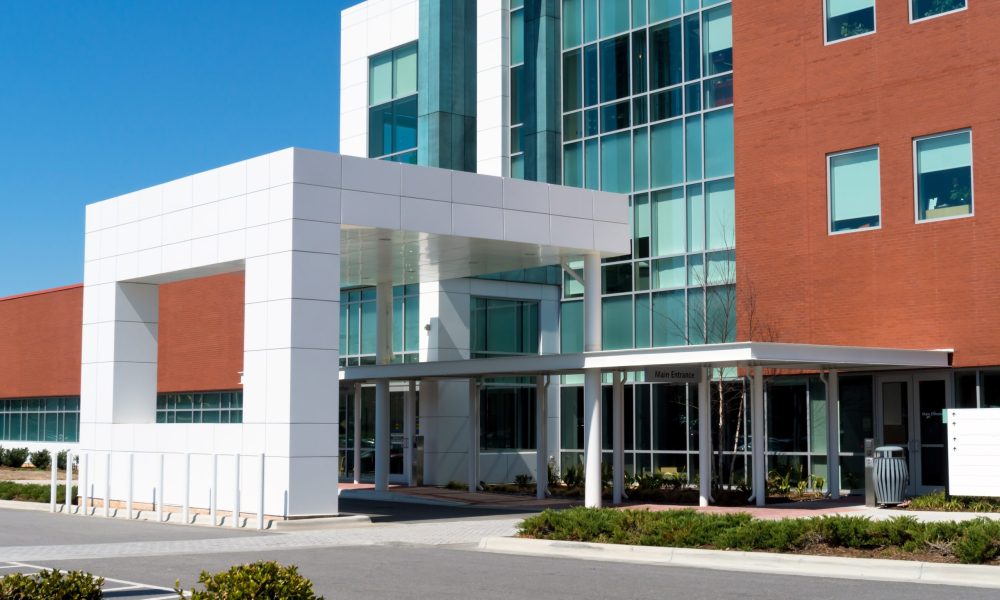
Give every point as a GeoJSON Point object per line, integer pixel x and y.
{"type": "Point", "coordinates": [693, 237]}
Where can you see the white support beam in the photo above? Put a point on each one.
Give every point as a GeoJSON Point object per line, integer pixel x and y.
{"type": "Point", "coordinates": [758, 440]}
{"type": "Point", "coordinates": [833, 433]}
{"type": "Point", "coordinates": [592, 302]}
{"type": "Point", "coordinates": [383, 356]}
{"type": "Point", "coordinates": [541, 437]}
{"type": "Point", "coordinates": [473, 435]}
{"type": "Point", "coordinates": [704, 439]}
{"type": "Point", "coordinates": [618, 437]}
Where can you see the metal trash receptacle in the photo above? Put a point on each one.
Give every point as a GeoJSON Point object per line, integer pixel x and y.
{"type": "Point", "coordinates": [891, 474]}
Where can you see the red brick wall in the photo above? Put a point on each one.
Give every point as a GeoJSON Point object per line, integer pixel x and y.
{"type": "Point", "coordinates": [40, 343]}
{"type": "Point", "coordinates": [928, 285]}
{"type": "Point", "coordinates": [200, 338]}
{"type": "Point", "coordinates": [201, 334]}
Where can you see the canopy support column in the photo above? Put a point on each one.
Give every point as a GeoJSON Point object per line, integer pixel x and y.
{"type": "Point", "coordinates": [357, 433]}
{"type": "Point", "coordinates": [618, 437]}
{"type": "Point", "coordinates": [833, 433]}
{"type": "Point", "coordinates": [592, 380]}
{"type": "Point", "coordinates": [473, 435]}
{"type": "Point", "coordinates": [758, 440]}
{"type": "Point", "coordinates": [541, 437]}
{"type": "Point", "coordinates": [704, 439]}
{"type": "Point", "coordinates": [409, 429]}
{"type": "Point", "coordinates": [383, 356]}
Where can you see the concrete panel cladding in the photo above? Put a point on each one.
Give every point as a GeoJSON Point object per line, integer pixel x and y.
{"type": "Point", "coordinates": [906, 284]}
{"type": "Point", "coordinates": [201, 334]}
{"type": "Point", "coordinates": [40, 343]}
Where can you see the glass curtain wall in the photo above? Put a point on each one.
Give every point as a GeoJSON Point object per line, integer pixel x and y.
{"type": "Point", "coordinates": [357, 325]}
{"type": "Point", "coordinates": [647, 111]}
{"type": "Point", "coordinates": [516, 58]}
{"type": "Point", "coordinates": [397, 407]}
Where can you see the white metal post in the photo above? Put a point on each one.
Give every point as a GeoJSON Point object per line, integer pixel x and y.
{"type": "Point", "coordinates": [541, 437]}
{"type": "Point", "coordinates": [260, 503]}
{"type": "Point", "coordinates": [131, 471]}
{"type": "Point", "coordinates": [159, 494]}
{"type": "Point", "coordinates": [214, 491]}
{"type": "Point", "coordinates": [704, 439]}
{"type": "Point", "coordinates": [107, 484]}
{"type": "Point", "coordinates": [236, 490]}
{"type": "Point", "coordinates": [833, 434]}
{"type": "Point", "coordinates": [54, 485]}
{"type": "Point", "coordinates": [592, 380]}
{"type": "Point", "coordinates": [187, 488]}
{"type": "Point", "coordinates": [618, 437]}
{"type": "Point", "coordinates": [357, 433]}
{"type": "Point", "coordinates": [69, 481]}
{"type": "Point", "coordinates": [473, 435]}
{"type": "Point", "coordinates": [84, 483]}
{"type": "Point", "coordinates": [409, 429]}
{"type": "Point", "coordinates": [759, 438]}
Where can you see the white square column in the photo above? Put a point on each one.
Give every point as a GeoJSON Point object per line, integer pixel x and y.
{"type": "Point", "coordinates": [291, 391]}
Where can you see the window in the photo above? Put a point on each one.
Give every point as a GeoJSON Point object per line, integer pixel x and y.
{"type": "Point", "coordinates": [392, 100]}
{"type": "Point", "coordinates": [848, 18]}
{"type": "Point", "coordinates": [358, 325]}
{"type": "Point", "coordinates": [200, 407]}
{"type": "Point", "coordinates": [54, 419]}
{"type": "Point", "coordinates": [507, 417]}
{"type": "Point", "coordinates": [925, 9]}
{"type": "Point", "coordinates": [718, 36]}
{"type": "Point", "coordinates": [854, 190]}
{"type": "Point", "coordinates": [944, 176]}
{"type": "Point", "coordinates": [501, 327]}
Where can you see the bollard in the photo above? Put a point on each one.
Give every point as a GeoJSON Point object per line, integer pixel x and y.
{"type": "Point", "coordinates": [236, 491]}
{"type": "Point", "coordinates": [213, 500]}
{"type": "Point", "coordinates": [84, 485]}
{"type": "Point", "coordinates": [187, 488]}
{"type": "Point", "coordinates": [159, 495]}
{"type": "Point", "coordinates": [131, 471]}
{"type": "Point", "coordinates": [54, 484]}
{"type": "Point", "coordinates": [69, 481]}
{"type": "Point", "coordinates": [107, 485]}
{"type": "Point", "coordinates": [260, 505]}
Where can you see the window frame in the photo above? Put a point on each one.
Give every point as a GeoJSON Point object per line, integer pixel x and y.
{"type": "Point", "coordinates": [916, 178]}
{"type": "Point", "coordinates": [829, 188]}
{"type": "Point", "coordinates": [392, 101]}
{"type": "Point", "coordinates": [909, 8]}
{"type": "Point", "coordinates": [826, 40]}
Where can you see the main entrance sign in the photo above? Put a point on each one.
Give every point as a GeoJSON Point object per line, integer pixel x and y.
{"type": "Point", "coordinates": [670, 374]}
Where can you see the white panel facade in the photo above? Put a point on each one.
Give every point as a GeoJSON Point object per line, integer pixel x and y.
{"type": "Point", "coordinates": [492, 87]}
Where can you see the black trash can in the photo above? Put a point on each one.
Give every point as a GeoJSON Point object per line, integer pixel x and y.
{"type": "Point", "coordinates": [891, 474]}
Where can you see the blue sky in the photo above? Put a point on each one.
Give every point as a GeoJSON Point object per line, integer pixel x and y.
{"type": "Point", "coordinates": [104, 97]}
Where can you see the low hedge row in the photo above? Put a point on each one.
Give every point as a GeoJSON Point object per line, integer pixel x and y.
{"type": "Point", "coordinates": [32, 492]}
{"type": "Point", "coordinates": [937, 501]}
{"type": "Point", "coordinates": [971, 542]}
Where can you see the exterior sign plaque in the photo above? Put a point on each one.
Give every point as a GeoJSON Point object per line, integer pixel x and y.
{"type": "Point", "coordinates": [670, 374]}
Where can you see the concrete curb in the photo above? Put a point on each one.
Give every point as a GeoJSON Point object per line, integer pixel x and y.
{"type": "Point", "coordinates": [873, 569]}
{"type": "Point", "coordinates": [318, 523]}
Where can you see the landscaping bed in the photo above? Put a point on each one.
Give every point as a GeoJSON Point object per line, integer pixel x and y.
{"type": "Point", "coordinates": [969, 542]}
{"type": "Point", "coordinates": [33, 492]}
{"type": "Point", "coordinates": [935, 501]}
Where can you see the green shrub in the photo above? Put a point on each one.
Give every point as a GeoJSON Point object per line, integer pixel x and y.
{"type": "Point", "coordinates": [15, 457]}
{"type": "Point", "coordinates": [457, 485]}
{"type": "Point", "coordinates": [32, 492]}
{"type": "Point", "coordinates": [51, 585]}
{"type": "Point", "coordinates": [61, 460]}
{"type": "Point", "coordinates": [252, 581]}
{"type": "Point", "coordinates": [41, 459]}
{"type": "Point", "coordinates": [523, 480]}
{"type": "Point", "coordinates": [976, 541]}
{"type": "Point", "coordinates": [574, 476]}
{"type": "Point", "coordinates": [936, 501]}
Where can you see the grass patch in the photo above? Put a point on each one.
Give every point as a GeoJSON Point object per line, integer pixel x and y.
{"type": "Point", "coordinates": [936, 501]}
{"type": "Point", "coordinates": [969, 542]}
{"type": "Point", "coordinates": [32, 492]}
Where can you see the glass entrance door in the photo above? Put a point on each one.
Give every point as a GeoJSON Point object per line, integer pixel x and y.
{"type": "Point", "coordinates": [932, 393]}
{"type": "Point", "coordinates": [908, 413]}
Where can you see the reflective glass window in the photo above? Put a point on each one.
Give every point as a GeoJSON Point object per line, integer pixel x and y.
{"type": "Point", "coordinates": [848, 18]}
{"type": "Point", "coordinates": [944, 176]}
{"type": "Point", "coordinates": [718, 40]}
{"type": "Point", "coordinates": [854, 190]}
{"type": "Point", "coordinates": [665, 54]}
